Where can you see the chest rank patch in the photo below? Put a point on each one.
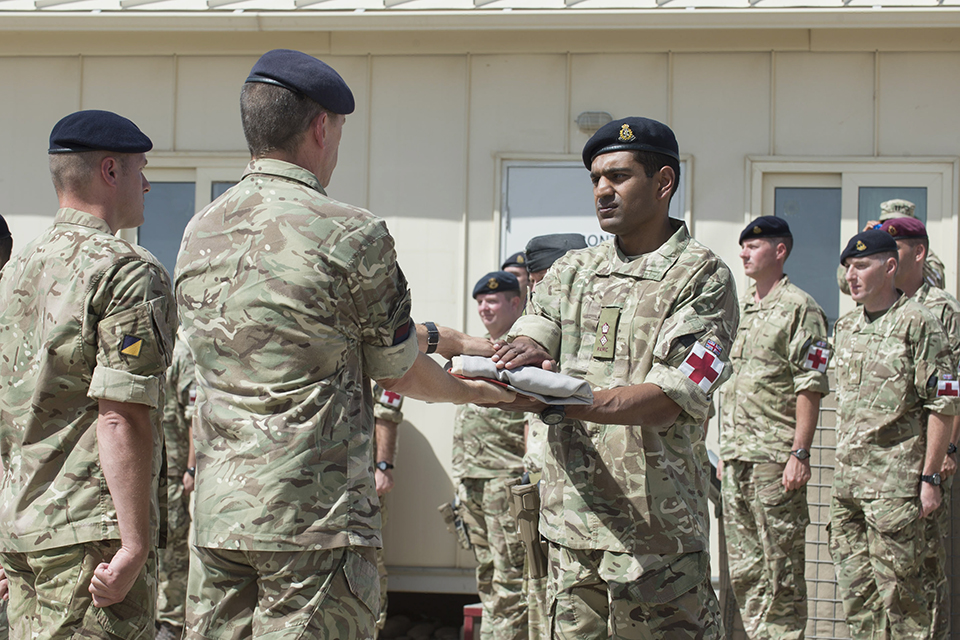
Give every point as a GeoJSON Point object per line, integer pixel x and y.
{"type": "Point", "coordinates": [702, 367]}
{"type": "Point", "coordinates": [130, 346]}
{"type": "Point", "coordinates": [947, 386]}
{"type": "Point", "coordinates": [390, 399]}
{"type": "Point", "coordinates": [818, 356]}
{"type": "Point", "coordinates": [605, 344]}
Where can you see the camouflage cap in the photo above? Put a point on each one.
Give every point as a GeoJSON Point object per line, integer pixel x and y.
{"type": "Point", "coordinates": [897, 208]}
{"type": "Point", "coordinates": [304, 74]}
{"type": "Point", "coordinates": [519, 259]}
{"type": "Point", "coordinates": [95, 130]}
{"type": "Point", "coordinates": [766, 227]}
{"type": "Point", "coordinates": [543, 251]}
{"type": "Point", "coordinates": [904, 228]}
{"type": "Point", "coordinates": [631, 134]}
{"type": "Point", "coordinates": [868, 243]}
{"type": "Point", "coordinates": [496, 282]}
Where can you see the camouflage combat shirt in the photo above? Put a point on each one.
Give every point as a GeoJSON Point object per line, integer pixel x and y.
{"type": "Point", "coordinates": [891, 373]}
{"type": "Point", "coordinates": [290, 302]}
{"type": "Point", "coordinates": [780, 350]}
{"type": "Point", "coordinates": [85, 317]}
{"type": "Point", "coordinates": [180, 397]}
{"type": "Point", "coordinates": [947, 310]}
{"type": "Point", "coordinates": [667, 318]}
{"type": "Point", "coordinates": [487, 442]}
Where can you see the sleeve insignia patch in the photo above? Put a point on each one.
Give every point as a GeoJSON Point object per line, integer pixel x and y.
{"type": "Point", "coordinates": [390, 399]}
{"type": "Point", "coordinates": [130, 346]}
{"type": "Point", "coordinates": [818, 357]}
{"type": "Point", "coordinates": [626, 134]}
{"type": "Point", "coordinates": [193, 396]}
{"type": "Point", "coordinates": [713, 347]}
{"type": "Point", "coordinates": [702, 367]}
{"type": "Point", "coordinates": [948, 387]}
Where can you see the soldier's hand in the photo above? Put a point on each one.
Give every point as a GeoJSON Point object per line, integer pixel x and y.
{"type": "Point", "coordinates": [522, 352]}
{"type": "Point", "coordinates": [112, 581]}
{"type": "Point", "coordinates": [929, 499]}
{"type": "Point", "coordinates": [720, 470]}
{"type": "Point", "coordinates": [488, 394]}
{"type": "Point", "coordinates": [796, 473]}
{"type": "Point", "coordinates": [4, 585]}
{"type": "Point", "coordinates": [871, 224]}
{"type": "Point", "coordinates": [949, 466]}
{"type": "Point", "coordinates": [384, 480]}
{"type": "Point", "coordinates": [522, 404]}
{"type": "Point", "coordinates": [468, 346]}
{"type": "Point", "coordinates": [188, 482]}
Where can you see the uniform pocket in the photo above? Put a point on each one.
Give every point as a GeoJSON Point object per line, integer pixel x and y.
{"type": "Point", "coordinates": [362, 577]}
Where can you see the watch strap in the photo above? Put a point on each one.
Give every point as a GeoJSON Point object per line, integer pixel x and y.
{"type": "Point", "coordinates": [951, 449]}
{"type": "Point", "coordinates": [433, 337]}
{"type": "Point", "coordinates": [933, 479]}
{"type": "Point", "coordinates": [383, 465]}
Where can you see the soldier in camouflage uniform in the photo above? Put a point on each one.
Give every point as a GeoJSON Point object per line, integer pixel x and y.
{"type": "Point", "coordinates": [488, 447]}
{"type": "Point", "coordinates": [933, 270]}
{"type": "Point", "coordinates": [387, 416]}
{"type": "Point", "coordinates": [541, 253]}
{"type": "Point", "coordinates": [648, 320]}
{"type": "Point", "coordinates": [897, 393]}
{"type": "Point", "coordinates": [912, 243]}
{"type": "Point", "coordinates": [291, 302]}
{"type": "Point", "coordinates": [173, 561]}
{"type": "Point", "coordinates": [770, 411]}
{"type": "Point", "coordinates": [86, 334]}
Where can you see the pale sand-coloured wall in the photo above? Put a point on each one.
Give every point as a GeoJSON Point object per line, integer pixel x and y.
{"type": "Point", "coordinates": [435, 109]}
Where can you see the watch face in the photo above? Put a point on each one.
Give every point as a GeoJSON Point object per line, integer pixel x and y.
{"type": "Point", "coordinates": [801, 454]}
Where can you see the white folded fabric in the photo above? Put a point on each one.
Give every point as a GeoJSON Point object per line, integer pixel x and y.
{"type": "Point", "coordinates": [546, 386]}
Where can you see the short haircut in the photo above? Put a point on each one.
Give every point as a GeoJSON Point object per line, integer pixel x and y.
{"type": "Point", "coordinates": [787, 242]}
{"type": "Point", "coordinates": [653, 162]}
{"type": "Point", "coordinates": [72, 172]}
{"type": "Point", "coordinates": [274, 118]}
{"type": "Point", "coordinates": [916, 242]}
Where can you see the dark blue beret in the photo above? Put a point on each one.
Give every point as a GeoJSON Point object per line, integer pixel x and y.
{"type": "Point", "coordinates": [495, 282]}
{"type": "Point", "coordinates": [543, 251]}
{"type": "Point", "coordinates": [4, 229]}
{"type": "Point", "coordinates": [95, 130]}
{"type": "Point", "coordinates": [516, 260]}
{"type": "Point", "coordinates": [766, 227]}
{"type": "Point", "coordinates": [631, 134]}
{"type": "Point", "coordinates": [867, 243]}
{"type": "Point", "coordinates": [304, 74]}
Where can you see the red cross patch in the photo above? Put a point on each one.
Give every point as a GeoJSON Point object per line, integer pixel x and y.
{"type": "Point", "coordinates": [948, 388]}
{"type": "Point", "coordinates": [817, 359]}
{"type": "Point", "coordinates": [391, 399]}
{"type": "Point", "coordinates": [702, 367]}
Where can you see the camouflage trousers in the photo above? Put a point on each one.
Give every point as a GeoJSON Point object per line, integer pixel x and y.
{"type": "Point", "coordinates": [382, 573]}
{"type": "Point", "coordinates": [536, 590]}
{"type": "Point", "coordinates": [4, 626]}
{"type": "Point", "coordinates": [500, 556]}
{"type": "Point", "coordinates": [938, 537]}
{"type": "Point", "coordinates": [49, 599]}
{"type": "Point", "coordinates": [594, 594]}
{"type": "Point", "coordinates": [888, 566]}
{"type": "Point", "coordinates": [765, 527]}
{"type": "Point", "coordinates": [292, 595]}
{"type": "Point", "coordinates": [174, 560]}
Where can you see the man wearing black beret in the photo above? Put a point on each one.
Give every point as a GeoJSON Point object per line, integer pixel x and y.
{"type": "Point", "coordinates": [897, 391]}
{"type": "Point", "coordinates": [648, 319]}
{"type": "Point", "coordinates": [543, 251]}
{"type": "Point", "coordinates": [291, 302]}
{"type": "Point", "coordinates": [517, 265]}
{"type": "Point", "coordinates": [86, 334]}
{"type": "Point", "coordinates": [770, 409]}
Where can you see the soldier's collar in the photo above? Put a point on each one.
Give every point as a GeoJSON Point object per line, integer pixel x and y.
{"type": "Point", "coordinates": [282, 169]}
{"type": "Point", "coordinates": [650, 266]}
{"type": "Point", "coordinates": [67, 215]}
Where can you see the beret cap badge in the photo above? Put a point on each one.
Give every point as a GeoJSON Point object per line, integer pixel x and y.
{"type": "Point", "coordinates": [493, 284]}
{"type": "Point", "coordinates": [757, 230]}
{"type": "Point", "coordinates": [626, 134]}
{"type": "Point", "coordinates": [860, 245]}
{"type": "Point", "coordinates": [520, 259]}
{"type": "Point", "coordinates": [892, 230]}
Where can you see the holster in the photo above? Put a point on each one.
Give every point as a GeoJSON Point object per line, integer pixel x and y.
{"type": "Point", "coordinates": [526, 502]}
{"type": "Point", "coordinates": [455, 524]}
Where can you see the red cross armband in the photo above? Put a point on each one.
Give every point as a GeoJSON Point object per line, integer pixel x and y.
{"type": "Point", "coordinates": [817, 357]}
{"type": "Point", "coordinates": [948, 387]}
{"type": "Point", "coordinates": [703, 365]}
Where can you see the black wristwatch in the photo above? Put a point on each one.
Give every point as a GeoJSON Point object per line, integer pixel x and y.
{"type": "Point", "coordinates": [800, 454]}
{"type": "Point", "coordinates": [933, 479]}
{"type": "Point", "coordinates": [554, 414]}
{"type": "Point", "coordinates": [433, 337]}
{"type": "Point", "coordinates": [383, 465]}
{"type": "Point", "coordinates": [192, 471]}
{"type": "Point", "coordinates": [951, 449]}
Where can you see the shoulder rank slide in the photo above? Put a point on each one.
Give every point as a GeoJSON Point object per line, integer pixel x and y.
{"type": "Point", "coordinates": [605, 344]}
